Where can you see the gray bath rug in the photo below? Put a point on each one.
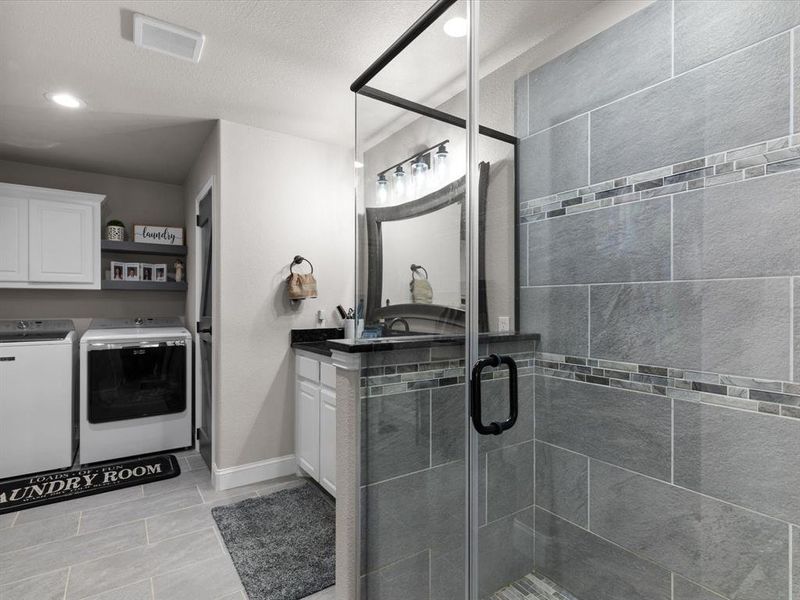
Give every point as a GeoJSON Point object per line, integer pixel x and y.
{"type": "Point", "coordinates": [283, 544]}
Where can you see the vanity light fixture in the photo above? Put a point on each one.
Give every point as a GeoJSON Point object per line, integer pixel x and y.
{"type": "Point", "coordinates": [456, 27]}
{"type": "Point", "coordinates": [65, 99]}
{"type": "Point", "coordinates": [422, 178]}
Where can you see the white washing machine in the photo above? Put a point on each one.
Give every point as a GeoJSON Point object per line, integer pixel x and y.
{"type": "Point", "coordinates": [37, 396]}
{"type": "Point", "coordinates": [135, 388]}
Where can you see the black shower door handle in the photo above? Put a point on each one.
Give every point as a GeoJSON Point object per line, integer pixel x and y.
{"type": "Point", "coordinates": [496, 427]}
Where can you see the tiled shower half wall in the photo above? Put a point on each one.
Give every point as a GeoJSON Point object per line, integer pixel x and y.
{"type": "Point", "coordinates": [660, 219]}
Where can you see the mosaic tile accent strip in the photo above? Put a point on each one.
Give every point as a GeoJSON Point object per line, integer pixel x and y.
{"type": "Point", "coordinates": [396, 379]}
{"type": "Point", "coordinates": [764, 158]}
{"type": "Point", "coordinates": [533, 587]}
{"type": "Point", "coordinates": [748, 393]}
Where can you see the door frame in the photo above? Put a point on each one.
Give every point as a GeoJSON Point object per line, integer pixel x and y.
{"type": "Point", "coordinates": [209, 186]}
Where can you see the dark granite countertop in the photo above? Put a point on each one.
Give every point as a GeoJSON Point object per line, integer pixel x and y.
{"type": "Point", "coordinates": [315, 340]}
{"type": "Point", "coordinates": [422, 341]}
{"type": "Point", "coordinates": [323, 341]}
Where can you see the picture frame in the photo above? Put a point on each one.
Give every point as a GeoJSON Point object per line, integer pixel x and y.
{"type": "Point", "coordinates": [158, 234]}
{"type": "Point", "coordinates": [146, 273]}
{"type": "Point", "coordinates": [159, 272]}
{"type": "Point", "coordinates": [117, 271]}
{"type": "Point", "coordinates": [132, 271]}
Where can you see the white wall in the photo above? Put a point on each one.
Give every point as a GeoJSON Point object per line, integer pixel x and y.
{"type": "Point", "coordinates": [133, 201]}
{"type": "Point", "coordinates": [279, 196]}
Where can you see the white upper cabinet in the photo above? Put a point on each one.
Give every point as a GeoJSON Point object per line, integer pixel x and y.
{"type": "Point", "coordinates": [13, 239]}
{"type": "Point", "coordinates": [49, 238]}
{"type": "Point", "coordinates": [61, 242]}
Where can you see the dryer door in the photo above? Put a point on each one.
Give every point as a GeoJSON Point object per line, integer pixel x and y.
{"type": "Point", "coordinates": [132, 381]}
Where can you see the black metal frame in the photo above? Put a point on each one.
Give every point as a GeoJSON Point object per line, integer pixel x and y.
{"type": "Point", "coordinates": [360, 87]}
{"type": "Point", "coordinates": [409, 35]}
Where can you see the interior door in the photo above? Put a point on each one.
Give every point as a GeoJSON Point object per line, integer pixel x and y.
{"type": "Point", "coordinates": [204, 331]}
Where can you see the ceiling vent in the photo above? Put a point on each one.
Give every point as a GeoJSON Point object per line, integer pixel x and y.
{"type": "Point", "coordinates": [167, 38]}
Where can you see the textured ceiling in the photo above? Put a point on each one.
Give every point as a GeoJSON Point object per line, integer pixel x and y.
{"type": "Point", "coordinates": [283, 65]}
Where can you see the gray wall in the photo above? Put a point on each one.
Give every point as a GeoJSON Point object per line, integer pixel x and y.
{"type": "Point", "coordinates": [659, 184]}
{"type": "Point", "coordinates": [133, 201]}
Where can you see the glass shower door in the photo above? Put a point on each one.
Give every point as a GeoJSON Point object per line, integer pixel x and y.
{"type": "Point", "coordinates": [501, 391]}
{"type": "Point", "coordinates": [446, 495]}
{"type": "Point", "coordinates": [412, 214]}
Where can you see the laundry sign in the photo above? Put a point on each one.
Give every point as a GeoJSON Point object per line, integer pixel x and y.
{"type": "Point", "coordinates": [158, 234]}
{"type": "Point", "coordinates": [36, 490]}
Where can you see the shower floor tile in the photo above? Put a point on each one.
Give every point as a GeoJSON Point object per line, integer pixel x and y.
{"type": "Point", "coordinates": [533, 587]}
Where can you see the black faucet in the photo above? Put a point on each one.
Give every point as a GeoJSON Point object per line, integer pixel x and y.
{"type": "Point", "coordinates": [398, 320]}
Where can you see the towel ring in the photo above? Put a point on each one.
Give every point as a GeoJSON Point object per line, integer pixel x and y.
{"type": "Point", "coordinates": [299, 260]}
{"type": "Point", "coordinates": [415, 268]}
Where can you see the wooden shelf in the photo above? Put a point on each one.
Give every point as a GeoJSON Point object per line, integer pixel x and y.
{"type": "Point", "coordinates": [161, 286]}
{"type": "Point", "coordinates": [110, 246]}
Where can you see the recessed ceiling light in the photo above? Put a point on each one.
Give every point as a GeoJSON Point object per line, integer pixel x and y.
{"type": "Point", "coordinates": [456, 27]}
{"type": "Point", "coordinates": [64, 99]}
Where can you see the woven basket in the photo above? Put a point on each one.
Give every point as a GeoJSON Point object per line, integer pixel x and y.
{"type": "Point", "coordinates": [115, 233]}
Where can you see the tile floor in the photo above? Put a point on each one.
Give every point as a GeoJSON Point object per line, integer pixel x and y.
{"type": "Point", "coordinates": [533, 587]}
{"type": "Point", "coordinates": [152, 542]}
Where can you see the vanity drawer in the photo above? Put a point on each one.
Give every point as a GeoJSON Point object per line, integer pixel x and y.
{"type": "Point", "coordinates": [327, 375]}
{"type": "Point", "coordinates": [307, 368]}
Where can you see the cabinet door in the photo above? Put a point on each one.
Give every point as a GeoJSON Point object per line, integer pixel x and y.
{"type": "Point", "coordinates": [13, 239]}
{"type": "Point", "coordinates": [62, 242]}
{"type": "Point", "coordinates": [327, 440]}
{"type": "Point", "coordinates": [307, 425]}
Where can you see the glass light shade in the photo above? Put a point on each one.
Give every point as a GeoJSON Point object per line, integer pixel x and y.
{"type": "Point", "coordinates": [419, 167]}
{"type": "Point", "coordinates": [441, 165]}
{"type": "Point", "coordinates": [419, 170]}
{"type": "Point", "coordinates": [382, 192]}
{"type": "Point", "coordinates": [399, 184]}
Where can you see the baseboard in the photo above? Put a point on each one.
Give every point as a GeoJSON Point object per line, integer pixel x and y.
{"type": "Point", "coordinates": [255, 472]}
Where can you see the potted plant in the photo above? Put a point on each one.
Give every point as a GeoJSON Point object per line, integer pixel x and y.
{"type": "Point", "coordinates": [115, 230]}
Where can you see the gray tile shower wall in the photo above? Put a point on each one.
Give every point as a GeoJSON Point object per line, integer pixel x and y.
{"type": "Point", "coordinates": [634, 511]}
{"type": "Point", "coordinates": [709, 29]}
{"type": "Point", "coordinates": [557, 158]}
{"type": "Point", "coordinates": [629, 57]}
{"type": "Point", "coordinates": [662, 269]}
{"type": "Point", "coordinates": [738, 100]}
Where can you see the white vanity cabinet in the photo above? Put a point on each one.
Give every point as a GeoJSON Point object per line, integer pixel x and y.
{"type": "Point", "coordinates": [315, 418]}
{"type": "Point", "coordinates": [49, 238]}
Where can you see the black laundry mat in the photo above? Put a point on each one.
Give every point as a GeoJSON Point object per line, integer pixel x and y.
{"type": "Point", "coordinates": [283, 545]}
{"type": "Point", "coordinates": [56, 486]}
